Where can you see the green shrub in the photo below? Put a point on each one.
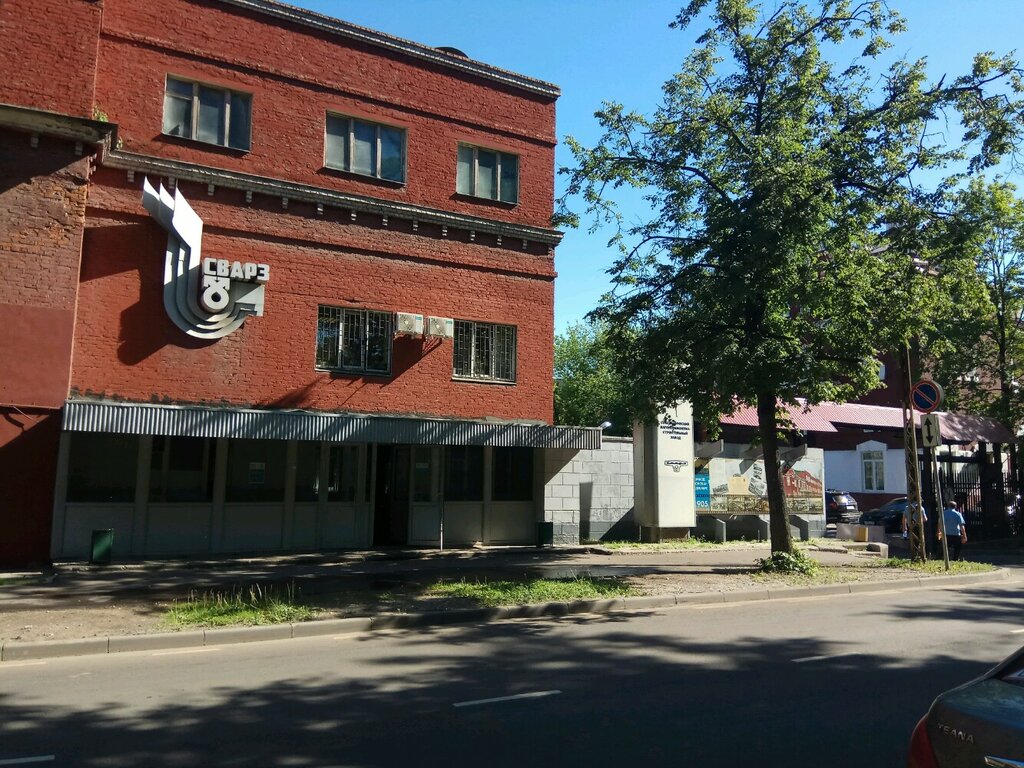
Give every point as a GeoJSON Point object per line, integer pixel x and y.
{"type": "Point", "coordinates": [788, 562]}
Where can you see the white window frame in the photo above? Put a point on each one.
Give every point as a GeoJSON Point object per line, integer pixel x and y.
{"type": "Point", "coordinates": [194, 124]}
{"type": "Point", "coordinates": [366, 315]}
{"type": "Point", "coordinates": [874, 480]}
{"type": "Point", "coordinates": [350, 144]}
{"type": "Point", "coordinates": [499, 156]}
{"type": "Point", "coordinates": [473, 330]}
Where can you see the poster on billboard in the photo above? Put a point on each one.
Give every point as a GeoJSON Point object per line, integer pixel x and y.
{"type": "Point", "coordinates": [738, 487]}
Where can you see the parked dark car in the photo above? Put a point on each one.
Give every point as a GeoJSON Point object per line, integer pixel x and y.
{"type": "Point", "coordinates": [889, 514]}
{"type": "Point", "coordinates": [840, 507]}
{"type": "Point", "coordinates": [977, 724]}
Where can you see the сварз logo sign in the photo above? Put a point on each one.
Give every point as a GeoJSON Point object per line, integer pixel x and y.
{"type": "Point", "coordinates": [206, 298]}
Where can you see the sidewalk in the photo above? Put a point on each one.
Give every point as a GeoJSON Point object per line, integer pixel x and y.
{"type": "Point", "coordinates": [76, 601]}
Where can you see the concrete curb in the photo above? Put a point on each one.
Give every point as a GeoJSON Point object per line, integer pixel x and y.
{"type": "Point", "coordinates": [26, 651]}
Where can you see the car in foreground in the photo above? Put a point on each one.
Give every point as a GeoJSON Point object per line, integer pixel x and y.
{"type": "Point", "coordinates": [980, 723]}
{"type": "Point", "coordinates": [840, 507]}
{"type": "Point", "coordinates": [889, 515]}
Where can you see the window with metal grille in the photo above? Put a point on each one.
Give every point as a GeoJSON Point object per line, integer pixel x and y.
{"type": "Point", "coordinates": [485, 351]}
{"type": "Point", "coordinates": [357, 340]}
{"type": "Point", "coordinates": [487, 173]}
{"type": "Point", "coordinates": [370, 149]}
{"type": "Point", "coordinates": [205, 113]}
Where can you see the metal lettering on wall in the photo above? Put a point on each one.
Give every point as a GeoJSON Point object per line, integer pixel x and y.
{"type": "Point", "coordinates": [206, 298]}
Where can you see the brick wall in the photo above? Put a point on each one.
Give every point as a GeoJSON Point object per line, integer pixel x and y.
{"type": "Point", "coordinates": [127, 348]}
{"type": "Point", "coordinates": [296, 75]}
{"type": "Point", "coordinates": [42, 215]}
{"type": "Point", "coordinates": [48, 54]}
{"type": "Point", "coordinates": [588, 495]}
{"type": "Point", "coordinates": [28, 462]}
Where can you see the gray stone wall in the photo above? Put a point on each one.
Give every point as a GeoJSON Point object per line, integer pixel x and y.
{"type": "Point", "coordinates": [588, 495]}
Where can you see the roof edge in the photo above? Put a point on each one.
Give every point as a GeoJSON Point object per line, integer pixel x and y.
{"type": "Point", "coordinates": [416, 50]}
{"type": "Point", "coordinates": [292, 190]}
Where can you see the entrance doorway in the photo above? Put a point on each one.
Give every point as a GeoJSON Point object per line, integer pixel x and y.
{"type": "Point", "coordinates": [391, 496]}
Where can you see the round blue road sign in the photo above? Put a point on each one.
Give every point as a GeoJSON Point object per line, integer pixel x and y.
{"type": "Point", "coordinates": [926, 396]}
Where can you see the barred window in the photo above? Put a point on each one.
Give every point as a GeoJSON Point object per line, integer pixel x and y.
{"type": "Point", "coordinates": [485, 351]}
{"type": "Point", "coordinates": [357, 340]}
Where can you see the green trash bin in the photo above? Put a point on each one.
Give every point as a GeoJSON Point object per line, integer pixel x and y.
{"type": "Point", "coordinates": [102, 546]}
{"type": "Point", "coordinates": [545, 534]}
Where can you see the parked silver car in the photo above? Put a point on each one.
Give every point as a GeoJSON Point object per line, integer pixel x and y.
{"type": "Point", "coordinates": [978, 724]}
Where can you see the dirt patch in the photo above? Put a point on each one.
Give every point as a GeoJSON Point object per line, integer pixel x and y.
{"type": "Point", "coordinates": [89, 618]}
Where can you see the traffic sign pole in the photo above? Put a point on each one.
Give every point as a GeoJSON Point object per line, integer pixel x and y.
{"type": "Point", "coordinates": [916, 526]}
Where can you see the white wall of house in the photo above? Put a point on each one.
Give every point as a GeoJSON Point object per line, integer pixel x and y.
{"type": "Point", "coordinates": [844, 470]}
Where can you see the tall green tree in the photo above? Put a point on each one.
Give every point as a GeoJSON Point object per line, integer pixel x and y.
{"type": "Point", "coordinates": [979, 353]}
{"type": "Point", "coordinates": [588, 389]}
{"type": "Point", "coordinates": [778, 258]}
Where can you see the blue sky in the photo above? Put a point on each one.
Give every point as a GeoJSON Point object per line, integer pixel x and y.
{"type": "Point", "coordinates": [623, 51]}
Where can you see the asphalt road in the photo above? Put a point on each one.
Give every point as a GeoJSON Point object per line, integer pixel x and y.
{"type": "Point", "coordinates": [836, 681]}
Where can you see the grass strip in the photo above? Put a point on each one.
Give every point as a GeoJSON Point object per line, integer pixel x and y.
{"type": "Point", "coordinates": [251, 606]}
{"type": "Point", "coordinates": [490, 594]}
{"type": "Point", "coordinates": [935, 567]}
{"type": "Point", "coordinates": [694, 542]}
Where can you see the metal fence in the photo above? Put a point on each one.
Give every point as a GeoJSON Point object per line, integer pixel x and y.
{"type": "Point", "coordinates": [988, 499]}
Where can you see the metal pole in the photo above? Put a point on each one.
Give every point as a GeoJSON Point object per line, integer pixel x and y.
{"type": "Point", "coordinates": [937, 479]}
{"type": "Point", "coordinates": [916, 527]}
{"type": "Point", "coordinates": [440, 532]}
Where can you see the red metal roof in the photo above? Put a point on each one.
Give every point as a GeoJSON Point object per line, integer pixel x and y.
{"type": "Point", "coordinates": [956, 427]}
{"type": "Point", "coordinates": [803, 418]}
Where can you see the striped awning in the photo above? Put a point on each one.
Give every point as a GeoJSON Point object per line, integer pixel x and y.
{"type": "Point", "coordinates": [198, 421]}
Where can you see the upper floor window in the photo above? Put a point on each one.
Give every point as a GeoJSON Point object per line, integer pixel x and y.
{"type": "Point", "coordinates": [874, 470]}
{"type": "Point", "coordinates": [485, 351]}
{"type": "Point", "coordinates": [371, 149]}
{"type": "Point", "coordinates": [202, 112]}
{"type": "Point", "coordinates": [487, 173]}
{"type": "Point", "coordinates": [357, 340]}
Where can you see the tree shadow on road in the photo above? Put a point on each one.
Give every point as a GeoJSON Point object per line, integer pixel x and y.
{"type": "Point", "coordinates": [627, 698]}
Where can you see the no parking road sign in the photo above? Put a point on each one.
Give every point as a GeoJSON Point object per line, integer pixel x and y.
{"type": "Point", "coordinates": [926, 396]}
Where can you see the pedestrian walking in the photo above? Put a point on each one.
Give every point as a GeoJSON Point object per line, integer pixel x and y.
{"type": "Point", "coordinates": [910, 515]}
{"type": "Point", "coordinates": [956, 530]}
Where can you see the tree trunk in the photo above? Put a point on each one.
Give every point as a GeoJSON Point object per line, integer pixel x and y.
{"type": "Point", "coordinates": [782, 540]}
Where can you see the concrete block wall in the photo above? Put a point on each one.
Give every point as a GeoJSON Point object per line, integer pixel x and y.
{"type": "Point", "coordinates": [588, 495]}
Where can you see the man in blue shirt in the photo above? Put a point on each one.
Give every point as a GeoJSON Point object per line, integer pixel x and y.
{"type": "Point", "coordinates": [956, 530]}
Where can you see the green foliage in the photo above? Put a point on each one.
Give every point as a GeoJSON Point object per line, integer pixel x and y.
{"type": "Point", "coordinates": [783, 251]}
{"type": "Point", "coordinates": [788, 562]}
{"type": "Point", "coordinates": [693, 542]}
{"type": "Point", "coordinates": [247, 605]}
{"type": "Point", "coordinates": [588, 390]}
{"type": "Point", "coordinates": [935, 567]}
{"type": "Point", "coordinates": [977, 351]}
{"type": "Point", "coordinates": [495, 593]}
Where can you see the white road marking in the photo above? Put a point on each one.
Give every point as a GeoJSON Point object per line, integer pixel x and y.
{"type": "Point", "coordinates": [26, 760]}
{"type": "Point", "coordinates": [825, 658]}
{"type": "Point", "coordinates": [1016, 631]}
{"type": "Point", "coordinates": [534, 695]}
{"type": "Point", "coordinates": [186, 650]}
{"type": "Point", "coordinates": [7, 664]}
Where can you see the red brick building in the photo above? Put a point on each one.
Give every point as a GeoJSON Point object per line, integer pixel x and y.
{"type": "Point", "coordinates": [329, 325]}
